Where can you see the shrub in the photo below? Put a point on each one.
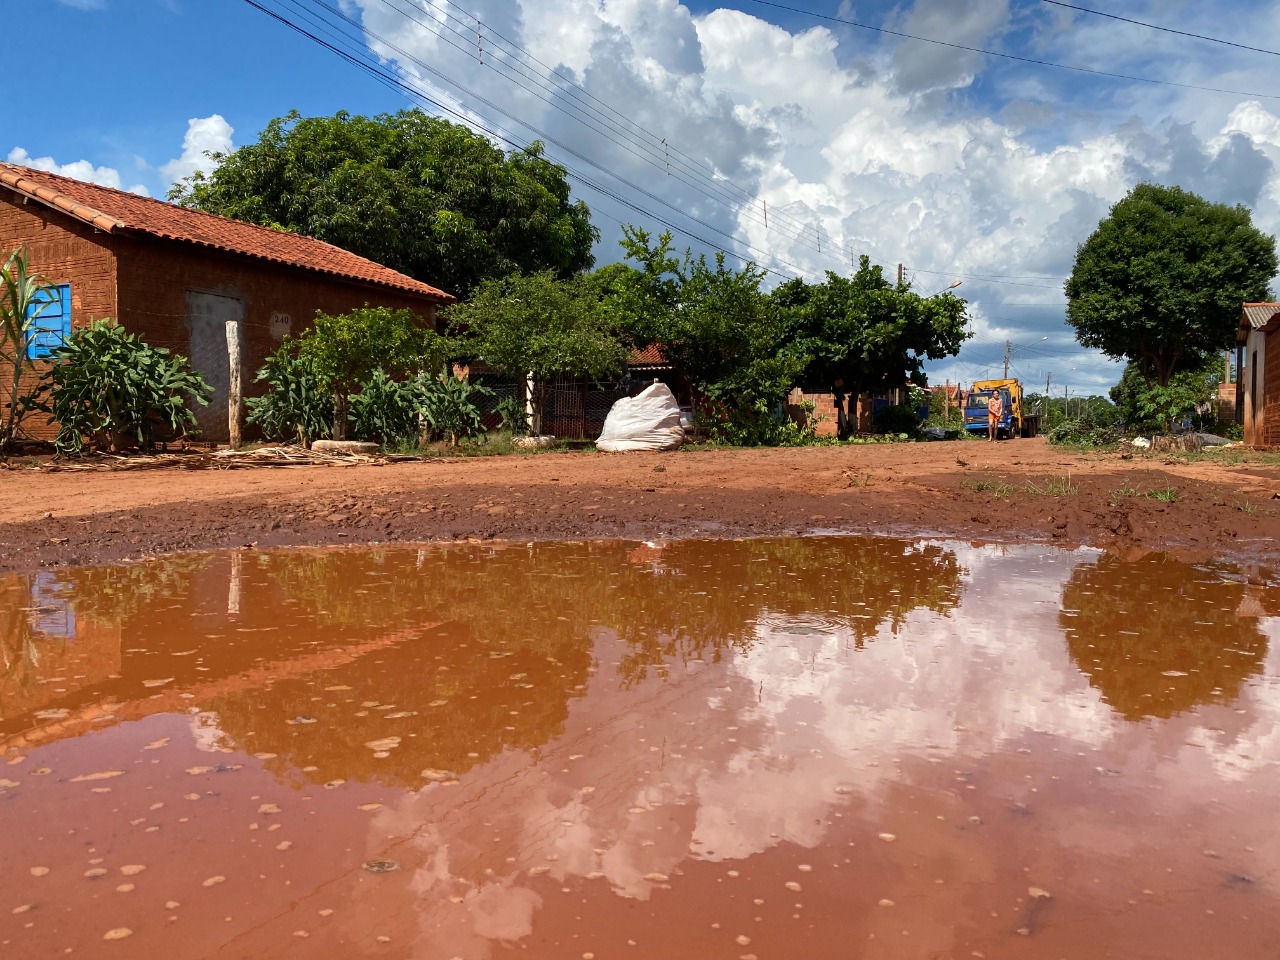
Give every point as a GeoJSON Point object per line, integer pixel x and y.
{"type": "Point", "coordinates": [1083, 433]}
{"type": "Point", "coordinates": [385, 410]}
{"type": "Point", "coordinates": [899, 418]}
{"type": "Point", "coordinates": [298, 404]}
{"type": "Point", "coordinates": [116, 390]}
{"type": "Point", "coordinates": [515, 416]}
{"type": "Point", "coordinates": [450, 406]}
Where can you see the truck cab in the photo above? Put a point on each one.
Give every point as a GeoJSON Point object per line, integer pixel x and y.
{"type": "Point", "coordinates": [1015, 421]}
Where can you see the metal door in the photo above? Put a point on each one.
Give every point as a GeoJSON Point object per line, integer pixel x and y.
{"type": "Point", "coordinates": [207, 317]}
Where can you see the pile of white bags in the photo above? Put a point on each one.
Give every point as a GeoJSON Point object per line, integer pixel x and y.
{"type": "Point", "coordinates": [648, 421]}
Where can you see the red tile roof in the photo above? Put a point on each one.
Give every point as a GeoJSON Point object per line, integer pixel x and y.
{"type": "Point", "coordinates": [650, 356]}
{"type": "Point", "coordinates": [114, 211]}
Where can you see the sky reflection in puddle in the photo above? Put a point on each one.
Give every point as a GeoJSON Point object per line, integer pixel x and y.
{"type": "Point", "coordinates": [829, 747]}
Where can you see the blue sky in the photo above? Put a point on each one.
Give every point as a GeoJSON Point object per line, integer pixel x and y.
{"type": "Point", "coordinates": [961, 166]}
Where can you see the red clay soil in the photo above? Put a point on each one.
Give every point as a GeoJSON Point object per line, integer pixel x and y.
{"type": "Point", "coordinates": [1227, 506]}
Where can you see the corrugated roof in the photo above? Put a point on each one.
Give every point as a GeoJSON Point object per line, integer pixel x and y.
{"type": "Point", "coordinates": [114, 211]}
{"type": "Point", "coordinates": [1258, 315]}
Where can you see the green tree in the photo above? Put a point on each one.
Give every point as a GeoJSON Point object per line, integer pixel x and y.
{"type": "Point", "coordinates": [1141, 403]}
{"type": "Point", "coordinates": [717, 328]}
{"type": "Point", "coordinates": [863, 333]}
{"type": "Point", "coordinates": [1161, 279]}
{"type": "Point", "coordinates": [541, 326]}
{"type": "Point", "coordinates": [345, 350]}
{"type": "Point", "coordinates": [417, 193]}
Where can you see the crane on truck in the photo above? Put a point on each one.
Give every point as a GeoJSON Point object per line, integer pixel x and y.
{"type": "Point", "coordinates": [1015, 422]}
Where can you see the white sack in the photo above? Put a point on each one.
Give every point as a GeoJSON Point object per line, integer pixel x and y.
{"type": "Point", "coordinates": [649, 421]}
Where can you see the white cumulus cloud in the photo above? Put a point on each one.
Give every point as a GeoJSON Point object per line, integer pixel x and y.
{"type": "Point", "coordinates": [77, 170]}
{"type": "Point", "coordinates": [952, 162]}
{"type": "Point", "coordinates": [204, 135]}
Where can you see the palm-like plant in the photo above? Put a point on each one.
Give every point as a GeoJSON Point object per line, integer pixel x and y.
{"type": "Point", "coordinates": [21, 303]}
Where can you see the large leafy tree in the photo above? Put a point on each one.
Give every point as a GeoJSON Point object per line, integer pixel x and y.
{"type": "Point", "coordinates": [863, 333]}
{"type": "Point", "coordinates": [1161, 279]}
{"type": "Point", "coordinates": [417, 193]}
{"type": "Point", "coordinates": [541, 326]}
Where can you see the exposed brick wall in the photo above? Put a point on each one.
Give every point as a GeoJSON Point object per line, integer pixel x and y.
{"type": "Point", "coordinates": [824, 415]}
{"type": "Point", "coordinates": [61, 250]}
{"type": "Point", "coordinates": [144, 282]}
{"type": "Point", "coordinates": [157, 276]}
{"type": "Point", "coordinates": [1271, 391]}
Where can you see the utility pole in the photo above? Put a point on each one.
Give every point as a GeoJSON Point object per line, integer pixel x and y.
{"type": "Point", "coordinates": [899, 274]}
{"type": "Point", "coordinates": [1047, 377]}
{"type": "Point", "coordinates": [1006, 359]}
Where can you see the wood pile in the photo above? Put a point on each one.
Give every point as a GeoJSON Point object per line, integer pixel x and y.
{"type": "Point", "coordinates": [283, 456]}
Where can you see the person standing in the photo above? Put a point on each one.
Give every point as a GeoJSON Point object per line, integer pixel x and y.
{"type": "Point", "coordinates": [995, 410]}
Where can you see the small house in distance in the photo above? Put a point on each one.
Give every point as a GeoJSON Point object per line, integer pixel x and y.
{"type": "Point", "coordinates": [1259, 380]}
{"type": "Point", "coordinates": [178, 277]}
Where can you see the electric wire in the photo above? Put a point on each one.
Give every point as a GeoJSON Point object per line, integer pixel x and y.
{"type": "Point", "coordinates": [1156, 26]}
{"type": "Point", "coordinates": [405, 56]}
{"type": "Point", "coordinates": [414, 93]}
{"type": "Point", "coordinates": [799, 229]}
{"type": "Point", "coordinates": [657, 148]}
{"type": "Point", "coordinates": [1008, 56]}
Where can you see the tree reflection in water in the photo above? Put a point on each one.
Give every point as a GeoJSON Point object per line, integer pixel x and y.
{"type": "Point", "coordinates": [1157, 637]}
{"type": "Point", "coordinates": [324, 658]}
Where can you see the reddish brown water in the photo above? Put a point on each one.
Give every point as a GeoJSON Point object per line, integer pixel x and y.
{"type": "Point", "coordinates": [825, 748]}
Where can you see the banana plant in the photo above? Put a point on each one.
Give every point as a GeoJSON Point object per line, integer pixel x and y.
{"type": "Point", "coordinates": [21, 303]}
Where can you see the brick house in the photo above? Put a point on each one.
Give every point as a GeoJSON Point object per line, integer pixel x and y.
{"type": "Point", "coordinates": [178, 277]}
{"type": "Point", "coordinates": [1259, 379]}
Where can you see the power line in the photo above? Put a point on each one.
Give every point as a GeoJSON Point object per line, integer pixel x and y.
{"type": "Point", "coordinates": [1155, 26]}
{"type": "Point", "coordinates": [1009, 56]}
{"type": "Point", "coordinates": [718, 187]}
{"type": "Point", "coordinates": [411, 92]}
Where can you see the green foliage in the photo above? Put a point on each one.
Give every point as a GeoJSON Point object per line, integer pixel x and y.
{"type": "Point", "coordinates": [1161, 279]}
{"type": "Point", "coordinates": [298, 403]}
{"type": "Point", "coordinates": [451, 406]}
{"type": "Point", "coordinates": [418, 193]}
{"type": "Point", "coordinates": [345, 350]}
{"type": "Point", "coordinates": [113, 388]}
{"type": "Point", "coordinates": [1053, 487]}
{"type": "Point", "coordinates": [1083, 433]}
{"type": "Point", "coordinates": [542, 326]}
{"type": "Point", "coordinates": [19, 288]}
{"type": "Point", "coordinates": [515, 416]}
{"type": "Point", "coordinates": [716, 327]}
{"type": "Point", "coordinates": [1095, 410]}
{"type": "Point", "coordinates": [385, 410]}
{"type": "Point", "coordinates": [864, 334]}
{"type": "Point", "coordinates": [899, 418]}
{"type": "Point", "coordinates": [1165, 494]}
{"type": "Point", "coordinates": [1147, 404]}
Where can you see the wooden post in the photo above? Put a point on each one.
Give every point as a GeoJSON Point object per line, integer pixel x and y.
{"type": "Point", "coordinates": [233, 384]}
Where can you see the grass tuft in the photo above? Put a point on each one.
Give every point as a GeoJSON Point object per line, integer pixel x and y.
{"type": "Point", "coordinates": [1054, 487]}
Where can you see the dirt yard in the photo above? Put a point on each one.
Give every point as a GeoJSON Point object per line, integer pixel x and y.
{"type": "Point", "coordinates": [1227, 506]}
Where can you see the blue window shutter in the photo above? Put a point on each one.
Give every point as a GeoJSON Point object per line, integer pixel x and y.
{"type": "Point", "coordinates": [50, 313]}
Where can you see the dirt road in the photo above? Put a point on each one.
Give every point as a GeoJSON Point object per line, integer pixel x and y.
{"type": "Point", "coordinates": [1015, 490]}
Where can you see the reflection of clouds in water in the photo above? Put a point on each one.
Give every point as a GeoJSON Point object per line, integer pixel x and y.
{"type": "Point", "coordinates": [732, 761]}
{"type": "Point", "coordinates": [1237, 754]}
{"type": "Point", "coordinates": [206, 733]}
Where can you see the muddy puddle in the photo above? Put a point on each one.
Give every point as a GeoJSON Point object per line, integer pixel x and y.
{"type": "Point", "coordinates": [804, 748]}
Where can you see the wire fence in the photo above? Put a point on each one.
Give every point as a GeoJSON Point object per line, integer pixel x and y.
{"type": "Point", "coordinates": [574, 410]}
